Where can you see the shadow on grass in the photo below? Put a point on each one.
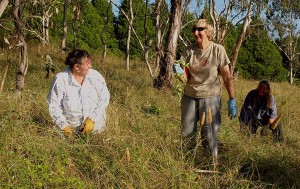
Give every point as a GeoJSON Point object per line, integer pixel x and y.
{"type": "Point", "coordinates": [279, 173]}
{"type": "Point", "coordinates": [273, 171]}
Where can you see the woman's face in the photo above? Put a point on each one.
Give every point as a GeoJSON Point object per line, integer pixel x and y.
{"type": "Point", "coordinates": [200, 33]}
{"type": "Point", "coordinates": [263, 89]}
{"type": "Point", "coordinates": [84, 67]}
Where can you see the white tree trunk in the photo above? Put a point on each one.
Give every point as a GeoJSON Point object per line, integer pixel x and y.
{"type": "Point", "coordinates": [241, 38]}
{"type": "Point", "coordinates": [158, 46]}
{"type": "Point", "coordinates": [65, 27]}
{"type": "Point", "coordinates": [129, 36]}
{"type": "Point", "coordinates": [3, 6]}
{"type": "Point", "coordinates": [165, 74]}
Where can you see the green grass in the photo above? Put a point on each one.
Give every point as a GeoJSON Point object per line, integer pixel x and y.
{"type": "Point", "coordinates": [143, 120]}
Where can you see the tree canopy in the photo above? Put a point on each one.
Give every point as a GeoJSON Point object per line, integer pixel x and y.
{"type": "Point", "coordinates": [269, 50]}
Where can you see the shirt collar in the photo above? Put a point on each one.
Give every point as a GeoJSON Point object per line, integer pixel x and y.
{"type": "Point", "coordinates": [72, 80]}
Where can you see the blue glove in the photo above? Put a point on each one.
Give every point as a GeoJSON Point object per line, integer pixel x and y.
{"type": "Point", "coordinates": [232, 110]}
{"type": "Point", "coordinates": [177, 69]}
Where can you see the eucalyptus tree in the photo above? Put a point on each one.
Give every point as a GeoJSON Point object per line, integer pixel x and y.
{"type": "Point", "coordinates": [146, 32]}
{"type": "Point", "coordinates": [282, 17]}
{"type": "Point", "coordinates": [169, 56]}
{"type": "Point", "coordinates": [22, 45]}
{"type": "Point", "coordinates": [160, 23]}
{"type": "Point", "coordinates": [240, 10]}
{"type": "Point", "coordinates": [139, 11]}
{"type": "Point", "coordinates": [130, 23]}
{"type": "Point", "coordinates": [65, 26]}
{"type": "Point", "coordinates": [77, 20]}
{"type": "Point", "coordinates": [38, 21]}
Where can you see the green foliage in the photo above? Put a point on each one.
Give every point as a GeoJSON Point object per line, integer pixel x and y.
{"type": "Point", "coordinates": [88, 32]}
{"type": "Point", "coordinates": [259, 58]}
{"type": "Point", "coordinates": [230, 40]}
{"type": "Point", "coordinates": [106, 14]}
{"type": "Point", "coordinates": [151, 108]}
{"type": "Point", "coordinates": [49, 64]}
{"type": "Point", "coordinates": [178, 89]}
{"type": "Point", "coordinates": [85, 28]}
{"type": "Point", "coordinates": [139, 9]}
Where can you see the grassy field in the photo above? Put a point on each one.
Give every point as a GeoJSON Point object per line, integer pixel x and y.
{"type": "Point", "coordinates": [141, 146]}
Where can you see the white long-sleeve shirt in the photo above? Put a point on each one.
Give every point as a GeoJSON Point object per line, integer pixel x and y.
{"type": "Point", "coordinates": [71, 103]}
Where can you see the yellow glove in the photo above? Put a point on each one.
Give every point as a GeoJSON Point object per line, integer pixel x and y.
{"type": "Point", "coordinates": [68, 131]}
{"type": "Point", "coordinates": [88, 126]}
{"type": "Point", "coordinates": [275, 122]}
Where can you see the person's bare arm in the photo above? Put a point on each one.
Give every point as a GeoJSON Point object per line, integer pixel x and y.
{"type": "Point", "coordinates": [228, 80]}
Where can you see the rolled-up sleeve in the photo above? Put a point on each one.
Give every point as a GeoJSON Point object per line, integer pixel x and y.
{"type": "Point", "coordinates": [273, 109]}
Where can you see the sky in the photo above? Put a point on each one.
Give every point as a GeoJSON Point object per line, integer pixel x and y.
{"type": "Point", "coordinates": [193, 6]}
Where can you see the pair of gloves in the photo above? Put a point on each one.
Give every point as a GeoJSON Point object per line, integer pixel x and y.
{"type": "Point", "coordinates": [232, 110]}
{"type": "Point", "coordinates": [87, 127]}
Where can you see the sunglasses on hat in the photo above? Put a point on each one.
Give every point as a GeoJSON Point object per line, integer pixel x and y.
{"type": "Point", "coordinates": [199, 29]}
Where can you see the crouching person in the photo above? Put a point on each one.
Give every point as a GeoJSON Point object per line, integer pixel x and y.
{"type": "Point", "coordinates": [259, 110]}
{"type": "Point", "coordinates": [78, 96]}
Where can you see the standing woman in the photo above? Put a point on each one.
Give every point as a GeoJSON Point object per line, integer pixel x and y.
{"type": "Point", "coordinates": [206, 61]}
{"type": "Point", "coordinates": [78, 96]}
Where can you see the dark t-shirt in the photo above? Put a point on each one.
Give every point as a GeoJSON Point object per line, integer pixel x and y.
{"type": "Point", "coordinates": [257, 112]}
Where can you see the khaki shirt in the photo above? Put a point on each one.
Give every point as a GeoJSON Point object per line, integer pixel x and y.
{"type": "Point", "coordinates": [204, 68]}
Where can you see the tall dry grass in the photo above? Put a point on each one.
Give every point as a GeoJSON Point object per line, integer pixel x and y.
{"type": "Point", "coordinates": [141, 146]}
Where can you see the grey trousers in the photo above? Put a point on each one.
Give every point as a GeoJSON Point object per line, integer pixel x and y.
{"type": "Point", "coordinates": [191, 112]}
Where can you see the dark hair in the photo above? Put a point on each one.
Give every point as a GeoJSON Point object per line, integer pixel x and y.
{"type": "Point", "coordinates": [268, 97]}
{"type": "Point", "coordinates": [75, 56]}
{"type": "Point", "coordinates": [265, 82]}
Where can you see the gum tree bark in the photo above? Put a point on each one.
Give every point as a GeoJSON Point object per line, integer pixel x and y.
{"type": "Point", "coordinates": [129, 36]}
{"type": "Point", "coordinates": [240, 40]}
{"type": "Point", "coordinates": [22, 47]}
{"type": "Point", "coordinates": [166, 62]}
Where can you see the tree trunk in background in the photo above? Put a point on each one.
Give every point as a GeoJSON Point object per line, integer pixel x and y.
{"type": "Point", "coordinates": [22, 46]}
{"type": "Point", "coordinates": [64, 36]}
{"type": "Point", "coordinates": [46, 20]}
{"type": "Point", "coordinates": [240, 40]}
{"type": "Point", "coordinates": [291, 47]}
{"type": "Point", "coordinates": [3, 6]}
{"type": "Point", "coordinates": [166, 62]}
{"type": "Point", "coordinates": [158, 44]}
{"type": "Point", "coordinates": [129, 36]}
{"type": "Point", "coordinates": [215, 18]}
{"type": "Point", "coordinates": [220, 28]}
{"type": "Point", "coordinates": [102, 35]}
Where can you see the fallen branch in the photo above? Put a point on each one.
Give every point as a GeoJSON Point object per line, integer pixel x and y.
{"type": "Point", "coordinates": [205, 171]}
